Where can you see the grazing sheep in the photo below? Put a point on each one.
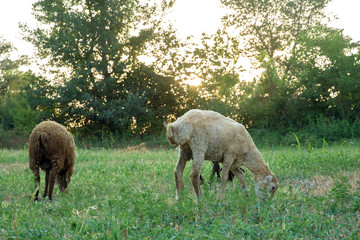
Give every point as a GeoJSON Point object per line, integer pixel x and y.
{"type": "Point", "coordinates": [211, 136]}
{"type": "Point", "coordinates": [51, 148]}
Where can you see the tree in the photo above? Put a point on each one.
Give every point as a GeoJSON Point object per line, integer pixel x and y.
{"type": "Point", "coordinates": [95, 47]}
{"type": "Point", "coordinates": [329, 81]}
{"type": "Point", "coordinates": [217, 63]}
{"type": "Point", "coordinates": [17, 111]}
{"type": "Point", "coordinates": [7, 68]}
{"type": "Point", "coordinates": [270, 32]}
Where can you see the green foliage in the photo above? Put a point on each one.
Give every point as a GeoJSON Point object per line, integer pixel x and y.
{"type": "Point", "coordinates": [17, 93]}
{"type": "Point", "coordinates": [131, 194]}
{"type": "Point", "coordinates": [13, 140]}
{"type": "Point", "coordinates": [25, 118]}
{"type": "Point", "coordinates": [305, 73]}
{"type": "Point", "coordinates": [298, 145]}
{"type": "Point", "coordinates": [104, 85]}
{"type": "Point", "coordinates": [331, 59]}
{"type": "Point", "coordinates": [120, 71]}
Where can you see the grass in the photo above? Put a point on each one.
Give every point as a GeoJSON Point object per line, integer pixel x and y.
{"type": "Point", "coordinates": [130, 194]}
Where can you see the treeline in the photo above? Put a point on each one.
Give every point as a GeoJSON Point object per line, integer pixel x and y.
{"type": "Point", "coordinates": [116, 67]}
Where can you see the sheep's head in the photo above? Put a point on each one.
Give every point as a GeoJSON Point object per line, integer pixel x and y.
{"type": "Point", "coordinates": [266, 187]}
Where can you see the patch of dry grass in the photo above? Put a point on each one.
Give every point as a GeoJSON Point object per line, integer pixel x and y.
{"type": "Point", "coordinates": [141, 147]}
{"type": "Point", "coordinates": [12, 167]}
{"type": "Point", "coordinates": [321, 185]}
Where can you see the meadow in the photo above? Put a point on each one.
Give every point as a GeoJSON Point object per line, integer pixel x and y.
{"type": "Point", "coordinates": [130, 194]}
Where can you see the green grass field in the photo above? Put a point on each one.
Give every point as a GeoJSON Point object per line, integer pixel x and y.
{"type": "Point", "coordinates": [130, 194]}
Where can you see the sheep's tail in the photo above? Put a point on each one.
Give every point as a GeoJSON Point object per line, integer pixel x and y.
{"type": "Point", "coordinates": [37, 150]}
{"type": "Point", "coordinates": [179, 134]}
{"type": "Point", "coordinates": [34, 150]}
{"type": "Point", "coordinates": [170, 130]}
{"type": "Point", "coordinates": [170, 133]}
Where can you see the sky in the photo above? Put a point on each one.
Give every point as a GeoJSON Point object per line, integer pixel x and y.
{"type": "Point", "coordinates": [192, 18]}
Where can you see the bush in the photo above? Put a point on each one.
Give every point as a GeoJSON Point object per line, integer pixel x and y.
{"type": "Point", "coordinates": [10, 139]}
{"type": "Point", "coordinates": [333, 130]}
{"type": "Point", "coordinates": [314, 134]}
{"type": "Point", "coordinates": [25, 118]}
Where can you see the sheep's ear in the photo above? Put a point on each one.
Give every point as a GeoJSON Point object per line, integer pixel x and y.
{"type": "Point", "coordinates": [165, 124]}
{"type": "Point", "coordinates": [269, 178]}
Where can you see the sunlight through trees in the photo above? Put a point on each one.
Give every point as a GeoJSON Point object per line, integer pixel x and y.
{"type": "Point", "coordinates": [122, 67]}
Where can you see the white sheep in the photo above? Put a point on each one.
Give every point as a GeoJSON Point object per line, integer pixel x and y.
{"type": "Point", "coordinates": [209, 135]}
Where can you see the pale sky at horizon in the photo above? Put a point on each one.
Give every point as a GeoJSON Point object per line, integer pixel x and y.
{"type": "Point", "coordinates": [191, 16]}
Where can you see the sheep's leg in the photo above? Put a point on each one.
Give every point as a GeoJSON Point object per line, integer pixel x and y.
{"type": "Point", "coordinates": [216, 170]}
{"type": "Point", "coordinates": [61, 180]}
{"type": "Point", "coordinates": [52, 177]}
{"type": "Point", "coordinates": [37, 184]}
{"type": "Point", "coordinates": [46, 183]}
{"type": "Point", "coordinates": [195, 173]}
{"type": "Point", "coordinates": [225, 175]}
{"type": "Point", "coordinates": [231, 175]}
{"type": "Point", "coordinates": [241, 178]}
{"type": "Point", "coordinates": [178, 172]}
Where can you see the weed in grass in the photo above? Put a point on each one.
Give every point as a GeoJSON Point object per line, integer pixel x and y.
{"type": "Point", "coordinates": [340, 195]}
{"type": "Point", "coordinates": [298, 145]}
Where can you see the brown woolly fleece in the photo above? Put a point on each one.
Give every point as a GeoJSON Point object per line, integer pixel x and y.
{"type": "Point", "coordinates": [51, 148]}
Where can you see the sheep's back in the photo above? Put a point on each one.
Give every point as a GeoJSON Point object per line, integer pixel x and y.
{"type": "Point", "coordinates": [51, 140]}
{"type": "Point", "coordinates": [217, 133]}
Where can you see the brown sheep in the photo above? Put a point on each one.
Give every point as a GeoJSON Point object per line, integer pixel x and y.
{"type": "Point", "coordinates": [216, 170]}
{"type": "Point", "coordinates": [51, 148]}
{"type": "Point", "coordinates": [211, 136]}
